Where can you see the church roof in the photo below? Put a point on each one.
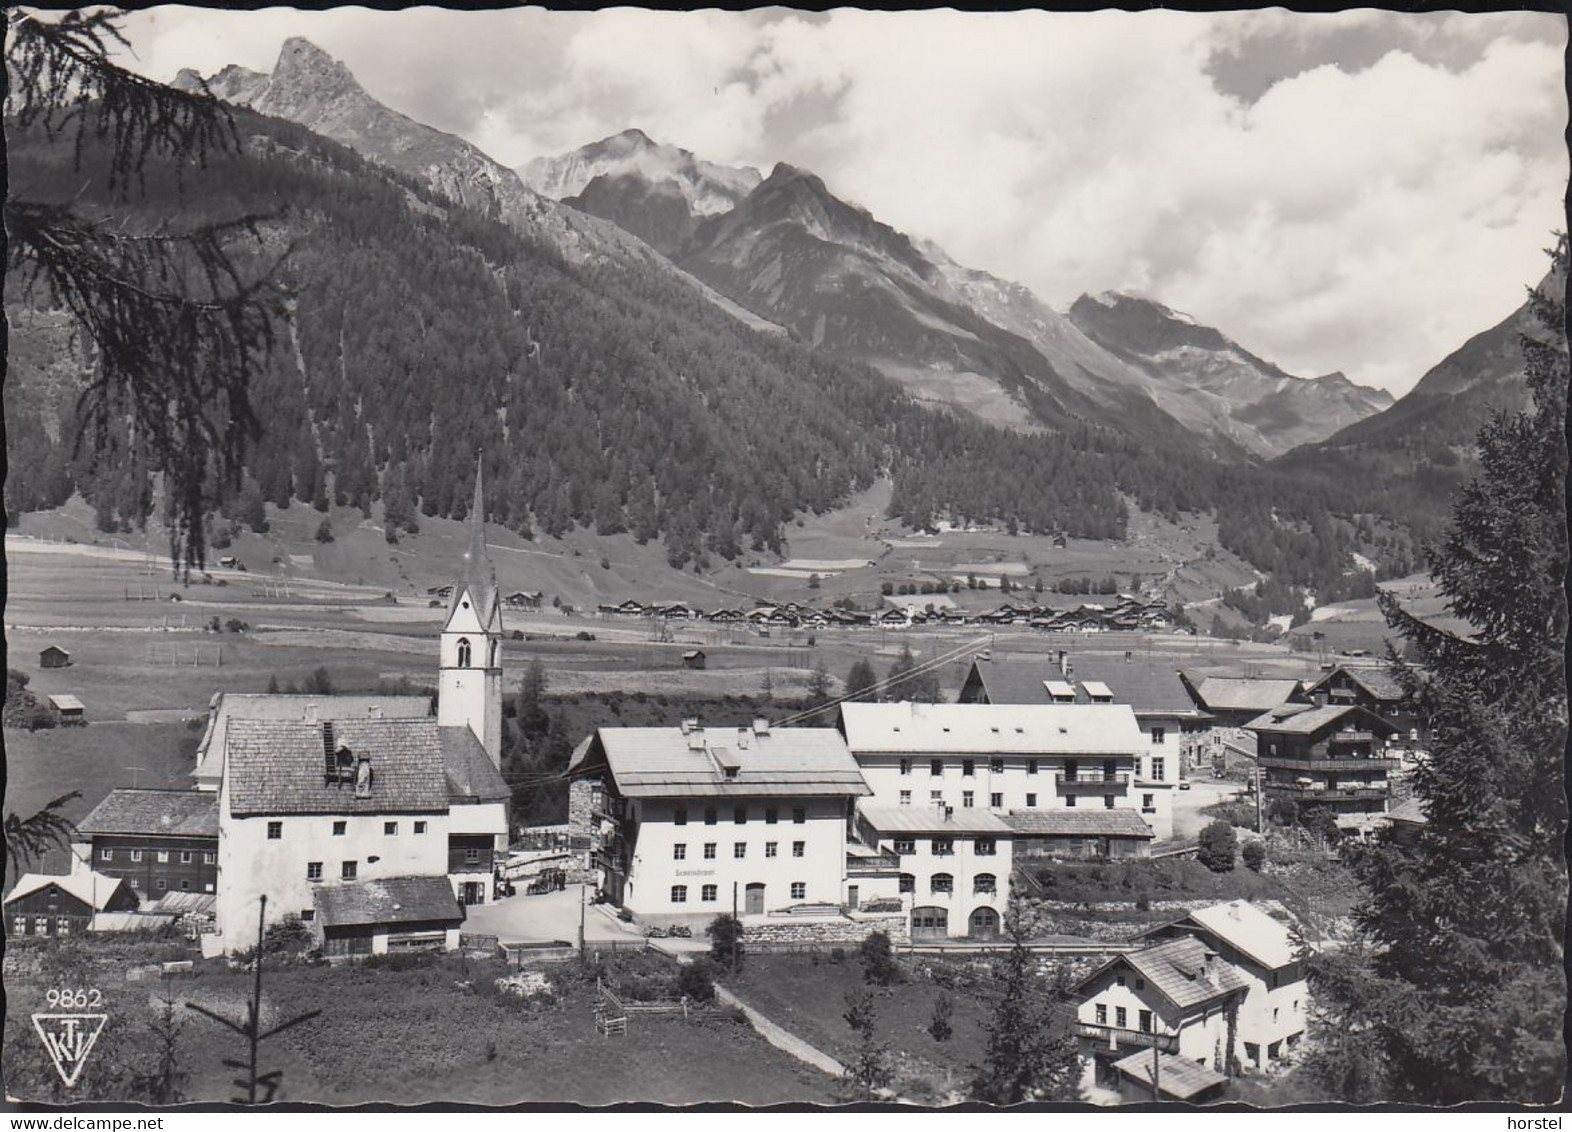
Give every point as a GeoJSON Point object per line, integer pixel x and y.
{"type": "Point", "coordinates": [472, 776]}
{"type": "Point", "coordinates": [479, 579]}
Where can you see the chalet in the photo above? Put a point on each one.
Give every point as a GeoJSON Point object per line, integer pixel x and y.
{"type": "Point", "coordinates": [1325, 757]}
{"type": "Point", "coordinates": [157, 841]}
{"type": "Point", "coordinates": [1273, 1016]}
{"type": "Point", "coordinates": [524, 599]}
{"type": "Point", "coordinates": [42, 905]}
{"type": "Point", "coordinates": [1373, 688]}
{"type": "Point", "coordinates": [1178, 1002]}
{"type": "Point", "coordinates": [629, 608]}
{"type": "Point", "coordinates": [678, 611]}
{"type": "Point", "coordinates": [1011, 760]}
{"type": "Point", "coordinates": [687, 819]}
{"type": "Point", "coordinates": [694, 658]}
{"type": "Point", "coordinates": [1234, 702]}
{"type": "Point", "coordinates": [727, 616]}
{"type": "Point", "coordinates": [781, 618]}
{"type": "Point", "coordinates": [893, 618]}
{"type": "Point", "coordinates": [1004, 615]}
{"type": "Point", "coordinates": [68, 709]}
{"type": "Point", "coordinates": [53, 656]}
{"type": "Point", "coordinates": [954, 866]}
{"type": "Point", "coordinates": [443, 592]}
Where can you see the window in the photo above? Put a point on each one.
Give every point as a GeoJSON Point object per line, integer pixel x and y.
{"type": "Point", "coordinates": [1119, 980]}
{"type": "Point", "coordinates": [106, 854]}
{"type": "Point", "coordinates": [185, 856]}
{"type": "Point", "coordinates": [936, 767]}
{"type": "Point", "coordinates": [710, 816]}
{"type": "Point", "coordinates": [983, 847]}
{"type": "Point", "coordinates": [1031, 801]}
{"type": "Point", "coordinates": [902, 848]}
{"type": "Point", "coordinates": [1031, 766]}
{"type": "Point", "coordinates": [1140, 984]}
{"type": "Point", "coordinates": [307, 915]}
{"type": "Point", "coordinates": [942, 882]}
{"type": "Point", "coordinates": [996, 766]}
{"type": "Point", "coordinates": [709, 850]}
{"type": "Point", "coordinates": [770, 848]}
{"type": "Point", "coordinates": [1108, 801]}
{"type": "Point", "coordinates": [1158, 736]}
{"type": "Point", "coordinates": [1143, 1021]}
{"type": "Point", "coordinates": [996, 801]}
{"type": "Point", "coordinates": [679, 851]}
{"type": "Point", "coordinates": [799, 848]}
{"type": "Point", "coordinates": [162, 885]}
{"type": "Point", "coordinates": [1121, 1017]}
{"type": "Point", "coordinates": [943, 846]}
{"type": "Point", "coordinates": [1159, 766]}
{"type": "Point", "coordinates": [771, 816]}
{"type": "Point", "coordinates": [347, 870]}
{"type": "Point", "coordinates": [463, 652]}
{"type": "Point", "coordinates": [185, 886]}
{"type": "Point", "coordinates": [390, 829]}
{"type": "Point", "coordinates": [799, 816]}
{"type": "Point", "coordinates": [968, 767]}
{"type": "Point", "coordinates": [966, 799]}
{"type": "Point", "coordinates": [163, 856]}
{"type": "Point", "coordinates": [679, 816]}
{"type": "Point", "coordinates": [799, 890]}
{"type": "Point", "coordinates": [136, 854]}
{"type": "Point", "coordinates": [679, 894]}
{"type": "Point", "coordinates": [420, 828]}
{"type": "Point", "coordinates": [209, 858]}
{"type": "Point", "coordinates": [275, 830]}
{"type": "Point", "coordinates": [936, 797]}
{"type": "Point", "coordinates": [1148, 804]}
{"type": "Point", "coordinates": [1274, 1014]}
{"type": "Point", "coordinates": [1102, 1014]}
{"type": "Point", "coordinates": [709, 893]}
{"type": "Point", "coordinates": [1070, 800]}
{"type": "Point", "coordinates": [906, 797]}
{"type": "Point", "coordinates": [984, 884]}
{"type": "Point", "coordinates": [340, 828]}
{"type": "Point", "coordinates": [739, 850]}
{"type": "Point", "coordinates": [739, 816]}
{"type": "Point", "coordinates": [908, 883]}
{"type": "Point", "coordinates": [314, 870]}
{"type": "Point", "coordinates": [906, 766]}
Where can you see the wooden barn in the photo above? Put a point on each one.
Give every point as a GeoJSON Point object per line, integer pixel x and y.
{"type": "Point", "coordinates": [694, 659]}
{"type": "Point", "coordinates": [54, 657]}
{"type": "Point", "coordinates": [42, 905]}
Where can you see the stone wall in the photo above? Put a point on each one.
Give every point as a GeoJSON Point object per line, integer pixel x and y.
{"type": "Point", "coordinates": [580, 823]}
{"type": "Point", "coordinates": [829, 931]}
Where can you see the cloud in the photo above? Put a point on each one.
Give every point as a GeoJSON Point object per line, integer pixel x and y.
{"type": "Point", "coordinates": [1360, 191]}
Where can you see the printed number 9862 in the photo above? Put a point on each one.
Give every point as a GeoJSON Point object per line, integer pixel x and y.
{"type": "Point", "coordinates": [74, 998]}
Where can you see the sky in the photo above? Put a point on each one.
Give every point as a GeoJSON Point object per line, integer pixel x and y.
{"type": "Point", "coordinates": [1359, 191]}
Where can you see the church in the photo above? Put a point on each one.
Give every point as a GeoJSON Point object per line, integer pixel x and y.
{"type": "Point", "coordinates": [368, 818]}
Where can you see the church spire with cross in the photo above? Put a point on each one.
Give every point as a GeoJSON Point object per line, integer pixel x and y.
{"type": "Point", "coordinates": [470, 687]}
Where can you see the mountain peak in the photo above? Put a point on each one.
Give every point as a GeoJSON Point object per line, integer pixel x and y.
{"type": "Point", "coordinates": [302, 62]}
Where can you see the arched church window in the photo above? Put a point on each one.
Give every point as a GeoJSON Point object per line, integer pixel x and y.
{"type": "Point", "coordinates": [463, 652]}
{"type": "Point", "coordinates": [495, 648]}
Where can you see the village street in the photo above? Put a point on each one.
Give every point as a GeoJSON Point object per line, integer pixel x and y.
{"type": "Point", "coordinates": [551, 916]}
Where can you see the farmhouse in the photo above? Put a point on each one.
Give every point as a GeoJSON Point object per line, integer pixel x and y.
{"type": "Point", "coordinates": [1179, 996]}
{"type": "Point", "coordinates": [1010, 760]}
{"type": "Point", "coordinates": [1234, 702]}
{"type": "Point", "coordinates": [688, 819]}
{"type": "Point", "coordinates": [64, 905]}
{"type": "Point", "coordinates": [157, 841]}
{"type": "Point", "coordinates": [1325, 757]}
{"type": "Point", "coordinates": [1373, 688]}
{"type": "Point", "coordinates": [1272, 1016]}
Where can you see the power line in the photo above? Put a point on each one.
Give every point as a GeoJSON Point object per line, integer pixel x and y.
{"type": "Point", "coordinates": [887, 682]}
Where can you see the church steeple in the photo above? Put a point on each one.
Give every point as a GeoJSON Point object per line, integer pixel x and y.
{"type": "Point", "coordinates": [470, 689]}
{"type": "Point", "coordinates": [478, 582]}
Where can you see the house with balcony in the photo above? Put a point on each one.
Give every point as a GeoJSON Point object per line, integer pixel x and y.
{"type": "Point", "coordinates": [953, 866]}
{"type": "Point", "coordinates": [1329, 757]}
{"type": "Point", "coordinates": [1029, 765]}
{"type": "Point", "coordinates": [1372, 687]}
{"type": "Point", "coordinates": [1175, 1003]}
{"type": "Point", "coordinates": [1234, 701]}
{"type": "Point", "coordinates": [1273, 1016]}
{"type": "Point", "coordinates": [687, 820]}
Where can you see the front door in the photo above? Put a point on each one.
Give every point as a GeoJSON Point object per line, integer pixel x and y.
{"type": "Point", "coordinates": [985, 924]}
{"type": "Point", "coordinates": [754, 904]}
{"type": "Point", "coordinates": [473, 892]}
{"type": "Point", "coordinates": [852, 896]}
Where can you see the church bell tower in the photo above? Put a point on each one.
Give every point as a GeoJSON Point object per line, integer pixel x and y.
{"type": "Point", "coordinates": [469, 691]}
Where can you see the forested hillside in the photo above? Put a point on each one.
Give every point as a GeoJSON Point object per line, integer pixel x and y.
{"type": "Point", "coordinates": [604, 396]}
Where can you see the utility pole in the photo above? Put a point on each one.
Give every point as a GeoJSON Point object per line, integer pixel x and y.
{"type": "Point", "coordinates": [1157, 1092]}
{"type": "Point", "coordinates": [1259, 826]}
{"type": "Point", "coordinates": [736, 927]}
{"type": "Point", "coordinates": [583, 958]}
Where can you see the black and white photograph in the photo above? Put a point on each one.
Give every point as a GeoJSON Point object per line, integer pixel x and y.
{"type": "Point", "coordinates": [910, 560]}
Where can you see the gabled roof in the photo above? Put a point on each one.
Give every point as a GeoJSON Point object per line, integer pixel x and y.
{"type": "Point", "coordinates": [991, 729]}
{"type": "Point", "coordinates": [1379, 682]}
{"type": "Point", "coordinates": [1177, 1077]}
{"type": "Point", "coordinates": [393, 900]}
{"type": "Point", "coordinates": [665, 762]}
{"type": "Point", "coordinates": [276, 767]}
{"type": "Point", "coordinates": [1094, 821]}
{"type": "Point", "coordinates": [1147, 686]}
{"type": "Point", "coordinates": [166, 813]}
{"type": "Point", "coordinates": [93, 889]}
{"type": "Point", "coordinates": [1246, 928]}
{"type": "Point", "coordinates": [479, 579]}
{"type": "Point", "coordinates": [472, 776]}
{"type": "Point", "coordinates": [226, 706]}
{"type": "Point", "coordinates": [1301, 719]}
{"type": "Point", "coordinates": [1224, 693]}
{"type": "Point", "coordinates": [1411, 811]}
{"type": "Point", "coordinates": [931, 819]}
{"type": "Point", "coordinates": [1176, 970]}
{"type": "Point", "coordinates": [65, 702]}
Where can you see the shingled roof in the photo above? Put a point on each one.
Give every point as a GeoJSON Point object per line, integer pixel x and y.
{"type": "Point", "coordinates": [992, 729]}
{"type": "Point", "coordinates": [1177, 1077]}
{"type": "Point", "coordinates": [226, 706]}
{"type": "Point", "coordinates": [1223, 693]}
{"type": "Point", "coordinates": [1293, 719]}
{"type": "Point", "coordinates": [1090, 822]}
{"type": "Point", "coordinates": [1177, 969]}
{"type": "Point", "coordinates": [931, 819]}
{"type": "Point", "coordinates": [1378, 681]}
{"type": "Point", "coordinates": [276, 767]}
{"type": "Point", "coordinates": [472, 776]}
{"type": "Point", "coordinates": [392, 900]}
{"type": "Point", "coordinates": [666, 762]}
{"type": "Point", "coordinates": [167, 813]}
{"type": "Point", "coordinates": [1242, 925]}
{"type": "Point", "coordinates": [1150, 687]}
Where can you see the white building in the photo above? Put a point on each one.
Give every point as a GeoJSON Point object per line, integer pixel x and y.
{"type": "Point", "coordinates": [369, 819]}
{"type": "Point", "coordinates": [1028, 764]}
{"type": "Point", "coordinates": [695, 820]}
{"type": "Point", "coordinates": [954, 866]}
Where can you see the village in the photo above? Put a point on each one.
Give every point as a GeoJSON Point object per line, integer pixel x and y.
{"type": "Point", "coordinates": [370, 828]}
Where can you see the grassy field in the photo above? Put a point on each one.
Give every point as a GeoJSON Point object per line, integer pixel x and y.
{"type": "Point", "coordinates": [421, 1030]}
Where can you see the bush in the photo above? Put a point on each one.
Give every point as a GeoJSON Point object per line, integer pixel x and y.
{"type": "Point", "coordinates": [939, 1025]}
{"type": "Point", "coordinates": [696, 980]}
{"type": "Point", "coordinates": [878, 960]}
{"type": "Point", "coordinates": [1219, 843]}
{"type": "Point", "coordinates": [1254, 854]}
{"type": "Point", "coordinates": [324, 531]}
{"type": "Point", "coordinates": [726, 948]}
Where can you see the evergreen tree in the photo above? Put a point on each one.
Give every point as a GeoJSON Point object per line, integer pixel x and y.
{"type": "Point", "coordinates": [1462, 993]}
{"type": "Point", "coordinates": [529, 708]}
{"type": "Point", "coordinates": [1031, 1053]}
{"type": "Point", "coordinates": [898, 686]}
{"type": "Point", "coordinates": [860, 681]}
{"type": "Point", "coordinates": [869, 1075]}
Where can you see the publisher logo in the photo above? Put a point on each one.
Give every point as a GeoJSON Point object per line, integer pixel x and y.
{"type": "Point", "coordinates": [69, 1039]}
